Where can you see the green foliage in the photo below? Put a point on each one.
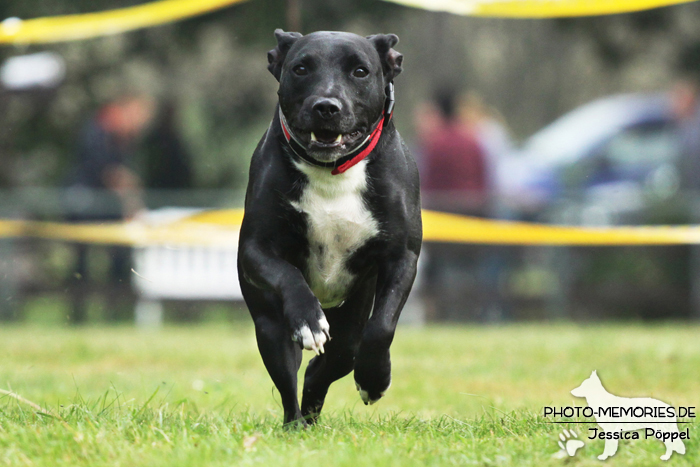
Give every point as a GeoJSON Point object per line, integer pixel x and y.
{"type": "Point", "coordinates": [212, 67]}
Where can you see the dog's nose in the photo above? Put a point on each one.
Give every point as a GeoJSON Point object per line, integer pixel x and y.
{"type": "Point", "coordinates": [327, 107]}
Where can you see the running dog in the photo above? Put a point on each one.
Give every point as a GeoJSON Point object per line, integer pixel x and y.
{"type": "Point", "coordinates": [332, 227]}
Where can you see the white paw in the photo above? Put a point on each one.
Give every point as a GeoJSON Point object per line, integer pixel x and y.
{"type": "Point", "coordinates": [364, 395]}
{"type": "Point", "coordinates": [313, 340]}
{"type": "Point", "coordinates": [569, 442]}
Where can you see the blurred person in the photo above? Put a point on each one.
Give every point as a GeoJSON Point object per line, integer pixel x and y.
{"type": "Point", "coordinates": [107, 160]}
{"type": "Point", "coordinates": [168, 161]}
{"type": "Point", "coordinates": [491, 132]}
{"type": "Point", "coordinates": [454, 175]}
{"type": "Point", "coordinates": [685, 105]}
{"type": "Point", "coordinates": [105, 185]}
{"type": "Point", "coordinates": [454, 178]}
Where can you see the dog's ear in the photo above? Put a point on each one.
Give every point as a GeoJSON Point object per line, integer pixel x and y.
{"type": "Point", "coordinates": [276, 56]}
{"type": "Point", "coordinates": [391, 59]}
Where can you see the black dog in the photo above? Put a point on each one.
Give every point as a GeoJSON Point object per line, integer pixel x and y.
{"type": "Point", "coordinates": [332, 227]}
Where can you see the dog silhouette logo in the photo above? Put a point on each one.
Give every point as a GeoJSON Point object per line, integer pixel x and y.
{"type": "Point", "coordinates": [622, 418]}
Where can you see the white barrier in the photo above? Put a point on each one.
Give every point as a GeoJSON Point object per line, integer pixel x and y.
{"type": "Point", "coordinates": [181, 272]}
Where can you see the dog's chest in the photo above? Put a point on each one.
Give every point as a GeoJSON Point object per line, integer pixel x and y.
{"type": "Point", "coordinates": [338, 224]}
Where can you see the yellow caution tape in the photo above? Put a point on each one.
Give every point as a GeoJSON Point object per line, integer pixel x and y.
{"type": "Point", "coordinates": [451, 228]}
{"type": "Point", "coordinates": [77, 27]}
{"type": "Point", "coordinates": [134, 233]}
{"type": "Point", "coordinates": [537, 8]}
{"type": "Point", "coordinates": [221, 228]}
{"type": "Point", "coordinates": [84, 26]}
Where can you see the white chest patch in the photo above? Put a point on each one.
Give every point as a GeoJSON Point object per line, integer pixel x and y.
{"type": "Point", "coordinates": [339, 224]}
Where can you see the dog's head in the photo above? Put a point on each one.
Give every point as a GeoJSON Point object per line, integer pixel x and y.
{"type": "Point", "coordinates": [332, 86]}
{"type": "Point", "coordinates": [589, 387]}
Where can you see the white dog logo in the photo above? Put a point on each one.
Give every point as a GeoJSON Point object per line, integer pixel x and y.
{"type": "Point", "coordinates": [617, 415]}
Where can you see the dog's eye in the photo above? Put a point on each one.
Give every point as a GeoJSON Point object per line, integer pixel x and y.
{"type": "Point", "coordinates": [300, 70]}
{"type": "Point", "coordinates": [360, 72]}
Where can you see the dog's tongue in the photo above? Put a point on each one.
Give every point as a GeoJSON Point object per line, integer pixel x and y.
{"type": "Point", "coordinates": [325, 136]}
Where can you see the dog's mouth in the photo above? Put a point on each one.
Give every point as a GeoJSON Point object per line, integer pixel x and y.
{"type": "Point", "coordinates": [328, 139]}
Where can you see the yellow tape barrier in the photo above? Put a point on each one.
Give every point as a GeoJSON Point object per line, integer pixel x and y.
{"type": "Point", "coordinates": [84, 26]}
{"type": "Point", "coordinates": [537, 8]}
{"type": "Point", "coordinates": [77, 27]}
{"type": "Point", "coordinates": [220, 228]}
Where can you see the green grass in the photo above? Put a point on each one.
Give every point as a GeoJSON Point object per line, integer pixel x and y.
{"type": "Point", "coordinates": [199, 396]}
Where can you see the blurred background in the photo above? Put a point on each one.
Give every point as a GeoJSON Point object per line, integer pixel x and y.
{"type": "Point", "coordinates": [583, 121]}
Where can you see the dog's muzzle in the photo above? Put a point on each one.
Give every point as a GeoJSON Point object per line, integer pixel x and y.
{"type": "Point", "coordinates": [327, 107]}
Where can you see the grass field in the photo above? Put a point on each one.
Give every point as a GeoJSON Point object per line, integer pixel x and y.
{"type": "Point", "coordinates": [199, 396]}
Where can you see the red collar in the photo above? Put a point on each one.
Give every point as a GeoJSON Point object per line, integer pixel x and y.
{"type": "Point", "coordinates": [355, 156]}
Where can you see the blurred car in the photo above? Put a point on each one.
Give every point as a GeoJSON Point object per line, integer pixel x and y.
{"type": "Point", "coordinates": [602, 163]}
{"type": "Point", "coordinates": [613, 161]}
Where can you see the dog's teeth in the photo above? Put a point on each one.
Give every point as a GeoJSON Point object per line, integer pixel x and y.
{"type": "Point", "coordinates": [339, 138]}
{"type": "Point", "coordinates": [313, 136]}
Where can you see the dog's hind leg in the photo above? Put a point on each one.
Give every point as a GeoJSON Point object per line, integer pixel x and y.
{"type": "Point", "coordinates": [373, 362]}
{"type": "Point", "coordinates": [282, 358]}
{"type": "Point", "coordinates": [347, 322]}
{"type": "Point", "coordinates": [673, 445]}
{"type": "Point", "coordinates": [321, 372]}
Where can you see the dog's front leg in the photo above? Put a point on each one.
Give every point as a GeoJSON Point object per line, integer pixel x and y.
{"type": "Point", "coordinates": [609, 450]}
{"type": "Point", "coordinates": [301, 309]}
{"type": "Point", "coordinates": [373, 362]}
{"type": "Point", "coordinates": [284, 310]}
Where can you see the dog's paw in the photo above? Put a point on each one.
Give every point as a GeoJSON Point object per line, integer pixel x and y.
{"type": "Point", "coordinates": [372, 374]}
{"type": "Point", "coordinates": [313, 339]}
{"type": "Point", "coordinates": [367, 398]}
